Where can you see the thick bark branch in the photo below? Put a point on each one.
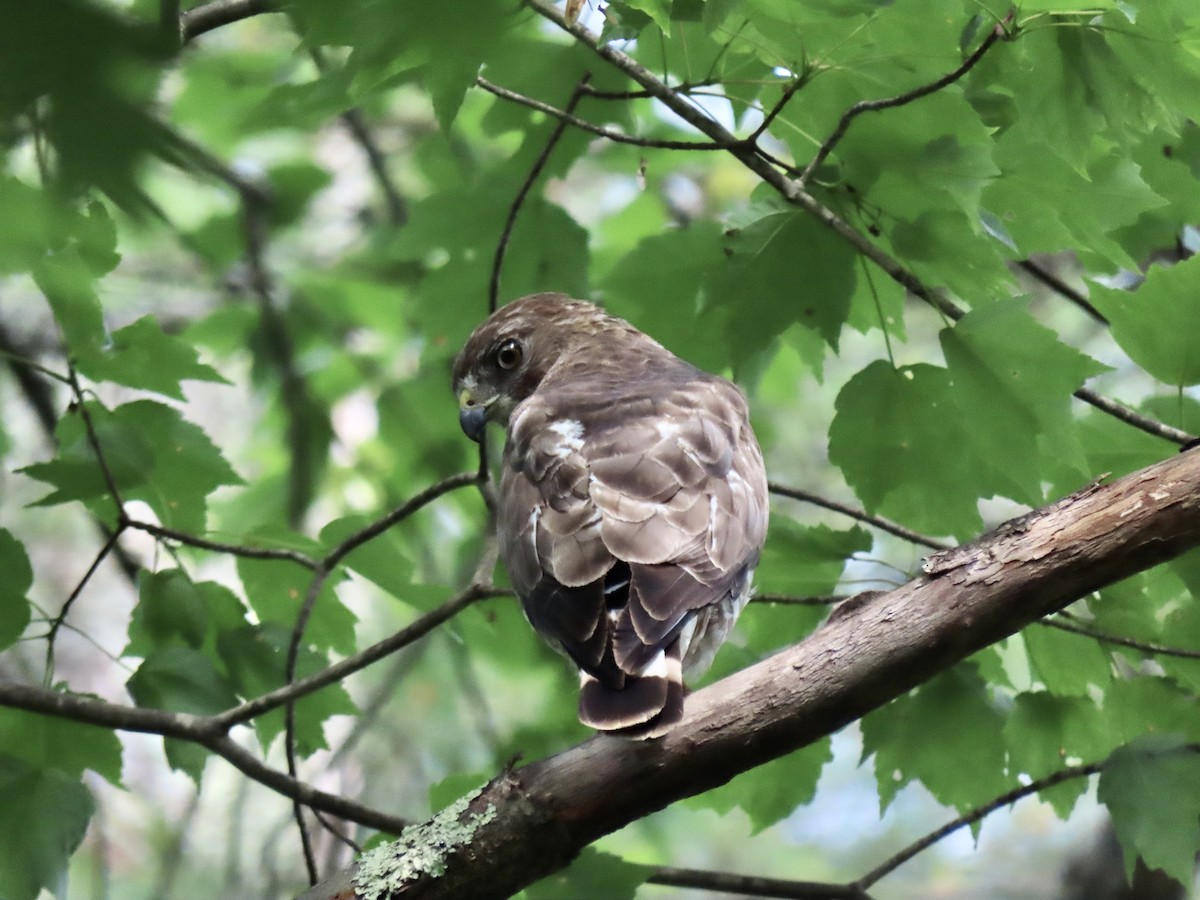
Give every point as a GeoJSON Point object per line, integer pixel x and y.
{"type": "Point", "coordinates": [532, 821]}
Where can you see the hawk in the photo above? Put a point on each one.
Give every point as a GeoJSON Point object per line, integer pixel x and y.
{"type": "Point", "coordinates": [632, 504]}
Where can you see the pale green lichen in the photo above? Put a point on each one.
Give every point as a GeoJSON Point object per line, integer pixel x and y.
{"type": "Point", "coordinates": [420, 851]}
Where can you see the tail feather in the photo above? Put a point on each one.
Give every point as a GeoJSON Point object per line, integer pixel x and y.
{"type": "Point", "coordinates": [648, 704]}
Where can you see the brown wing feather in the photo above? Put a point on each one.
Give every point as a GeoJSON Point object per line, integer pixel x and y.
{"type": "Point", "coordinates": [669, 481]}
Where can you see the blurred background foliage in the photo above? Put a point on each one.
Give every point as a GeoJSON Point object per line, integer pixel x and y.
{"type": "Point", "coordinates": [241, 243]}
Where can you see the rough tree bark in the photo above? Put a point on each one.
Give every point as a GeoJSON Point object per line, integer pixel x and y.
{"type": "Point", "coordinates": [531, 821]}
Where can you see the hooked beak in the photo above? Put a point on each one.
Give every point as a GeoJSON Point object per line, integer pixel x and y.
{"type": "Point", "coordinates": [472, 415]}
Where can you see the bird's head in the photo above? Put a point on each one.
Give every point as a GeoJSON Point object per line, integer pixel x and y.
{"type": "Point", "coordinates": [508, 355]}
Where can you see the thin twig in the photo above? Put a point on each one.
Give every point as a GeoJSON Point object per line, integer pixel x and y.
{"type": "Point", "coordinates": [975, 815]}
{"type": "Point", "coordinates": [57, 622]}
{"type": "Point", "coordinates": [401, 512]}
{"type": "Point", "coordinates": [356, 124]}
{"type": "Point", "coordinates": [1060, 287]}
{"type": "Point", "coordinates": [788, 93]}
{"type": "Point", "coordinates": [210, 16]}
{"type": "Point", "coordinates": [18, 361]}
{"type": "Point", "coordinates": [1134, 418]}
{"type": "Point", "coordinates": [754, 886]}
{"type": "Point", "coordinates": [791, 600]}
{"type": "Point", "coordinates": [567, 117]}
{"type": "Point", "coordinates": [249, 552]}
{"type": "Point", "coordinates": [110, 482]}
{"type": "Point", "coordinates": [320, 577]}
{"type": "Point", "coordinates": [1107, 638]}
{"type": "Point", "coordinates": [998, 31]}
{"type": "Point", "coordinates": [93, 440]}
{"type": "Point", "coordinates": [41, 400]}
{"type": "Point", "coordinates": [845, 509]}
{"type": "Point", "coordinates": [306, 848]}
{"type": "Point", "coordinates": [202, 730]}
{"type": "Point", "coordinates": [681, 88]}
{"type": "Point", "coordinates": [256, 707]}
{"type": "Point", "coordinates": [277, 339]}
{"type": "Point", "coordinates": [523, 192]}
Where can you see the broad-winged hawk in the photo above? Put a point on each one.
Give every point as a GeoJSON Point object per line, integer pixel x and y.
{"type": "Point", "coordinates": [632, 502]}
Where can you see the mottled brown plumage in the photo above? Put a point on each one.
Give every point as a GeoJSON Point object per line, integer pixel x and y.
{"type": "Point", "coordinates": [633, 501]}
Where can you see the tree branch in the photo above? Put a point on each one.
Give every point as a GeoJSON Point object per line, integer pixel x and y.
{"type": "Point", "coordinates": [750, 885]}
{"type": "Point", "coordinates": [890, 865]}
{"type": "Point", "coordinates": [251, 709]}
{"type": "Point", "coordinates": [518, 201]}
{"type": "Point", "coordinates": [1105, 638]}
{"type": "Point", "coordinates": [845, 509]}
{"type": "Point", "coordinates": [210, 16]}
{"type": "Point", "coordinates": [1134, 418]}
{"type": "Point", "coordinates": [203, 730]}
{"type": "Point", "coordinates": [567, 117]}
{"type": "Point", "coordinates": [530, 822]}
{"type": "Point", "coordinates": [356, 124]}
{"type": "Point", "coordinates": [999, 30]}
{"type": "Point", "coordinates": [793, 191]}
{"type": "Point", "coordinates": [1060, 287]}
{"type": "Point", "coordinates": [244, 550]}
{"type": "Point", "coordinates": [320, 577]}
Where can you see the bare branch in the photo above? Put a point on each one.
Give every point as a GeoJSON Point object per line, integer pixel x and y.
{"type": "Point", "coordinates": [526, 187]}
{"type": "Point", "coordinates": [422, 626]}
{"type": "Point", "coordinates": [94, 441]}
{"type": "Point", "coordinates": [753, 886]}
{"type": "Point", "coordinates": [845, 509]}
{"type": "Point", "coordinates": [245, 550]}
{"type": "Point", "coordinates": [1106, 638]}
{"type": "Point", "coordinates": [57, 622]}
{"type": "Point", "coordinates": [973, 816]}
{"type": "Point", "coordinates": [566, 116]}
{"type": "Point", "coordinates": [401, 512]}
{"type": "Point", "coordinates": [356, 124]}
{"type": "Point", "coordinates": [213, 15]}
{"type": "Point", "coordinates": [770, 115]}
{"type": "Point", "coordinates": [1060, 287]}
{"type": "Point", "coordinates": [1134, 418]}
{"type": "Point", "coordinates": [683, 88]}
{"type": "Point", "coordinates": [203, 730]}
{"type": "Point", "coordinates": [1000, 30]}
{"type": "Point", "coordinates": [344, 808]}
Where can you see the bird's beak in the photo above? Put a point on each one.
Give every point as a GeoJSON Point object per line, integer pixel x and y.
{"type": "Point", "coordinates": [472, 415]}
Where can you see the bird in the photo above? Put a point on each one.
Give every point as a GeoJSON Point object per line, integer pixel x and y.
{"type": "Point", "coordinates": [632, 500]}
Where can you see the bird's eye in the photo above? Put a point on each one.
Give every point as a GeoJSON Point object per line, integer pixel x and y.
{"type": "Point", "coordinates": [508, 354]}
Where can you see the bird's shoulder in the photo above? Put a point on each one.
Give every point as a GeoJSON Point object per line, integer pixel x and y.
{"type": "Point", "coordinates": [589, 413]}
